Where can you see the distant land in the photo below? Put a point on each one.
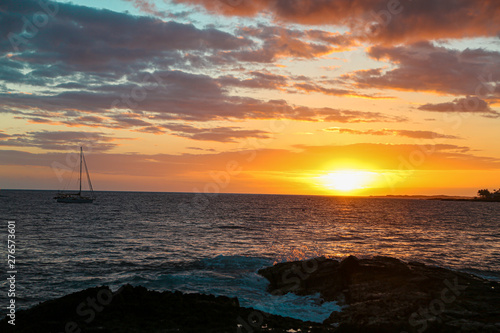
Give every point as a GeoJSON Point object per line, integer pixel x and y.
{"type": "Point", "coordinates": [435, 197]}
{"type": "Point", "coordinates": [424, 197]}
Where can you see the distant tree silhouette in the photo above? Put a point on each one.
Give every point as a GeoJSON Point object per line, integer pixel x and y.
{"type": "Point", "coordinates": [484, 193]}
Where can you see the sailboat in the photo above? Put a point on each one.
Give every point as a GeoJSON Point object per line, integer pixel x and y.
{"type": "Point", "coordinates": [78, 197]}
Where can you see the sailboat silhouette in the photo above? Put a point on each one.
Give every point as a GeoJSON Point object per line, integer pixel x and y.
{"type": "Point", "coordinates": [78, 197]}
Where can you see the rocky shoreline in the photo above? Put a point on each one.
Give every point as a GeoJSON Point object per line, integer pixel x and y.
{"type": "Point", "coordinates": [381, 294]}
{"type": "Point", "coordinates": [384, 294]}
{"type": "Point", "coordinates": [135, 309]}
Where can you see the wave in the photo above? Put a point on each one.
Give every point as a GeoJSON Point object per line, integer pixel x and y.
{"type": "Point", "coordinates": [233, 276]}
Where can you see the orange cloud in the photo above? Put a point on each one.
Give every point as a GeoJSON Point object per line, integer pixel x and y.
{"type": "Point", "coordinates": [405, 133]}
{"type": "Point", "coordinates": [389, 21]}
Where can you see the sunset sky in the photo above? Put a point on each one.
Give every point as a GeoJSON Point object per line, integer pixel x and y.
{"type": "Point", "coordinates": [351, 97]}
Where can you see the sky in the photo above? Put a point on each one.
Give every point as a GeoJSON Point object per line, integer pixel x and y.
{"type": "Point", "coordinates": [327, 97]}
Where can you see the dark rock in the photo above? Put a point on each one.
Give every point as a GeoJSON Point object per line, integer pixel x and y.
{"type": "Point", "coordinates": [384, 294]}
{"type": "Point", "coordinates": [304, 277]}
{"type": "Point", "coordinates": [136, 309]}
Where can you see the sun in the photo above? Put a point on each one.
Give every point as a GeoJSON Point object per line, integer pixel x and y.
{"type": "Point", "coordinates": [347, 180]}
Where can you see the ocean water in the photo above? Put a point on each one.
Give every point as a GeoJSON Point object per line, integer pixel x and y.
{"type": "Point", "coordinates": [216, 243]}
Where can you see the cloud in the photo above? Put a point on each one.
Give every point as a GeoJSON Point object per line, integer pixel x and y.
{"type": "Point", "coordinates": [426, 67]}
{"type": "Point", "coordinates": [392, 21]}
{"type": "Point", "coordinates": [278, 42]}
{"type": "Point", "coordinates": [100, 63]}
{"type": "Point", "coordinates": [4, 135]}
{"type": "Point", "coordinates": [405, 133]}
{"type": "Point", "coordinates": [349, 116]}
{"type": "Point", "coordinates": [300, 84]}
{"type": "Point", "coordinates": [88, 45]}
{"type": "Point", "coordinates": [96, 42]}
{"type": "Point", "coordinates": [218, 134]}
{"type": "Point", "coordinates": [273, 43]}
{"type": "Point", "coordinates": [257, 80]}
{"type": "Point", "coordinates": [466, 104]}
{"type": "Point", "coordinates": [104, 69]}
{"type": "Point", "coordinates": [201, 149]}
{"type": "Point", "coordinates": [166, 96]}
{"type": "Point", "coordinates": [313, 87]}
{"type": "Point", "coordinates": [146, 6]}
{"type": "Point", "coordinates": [60, 140]}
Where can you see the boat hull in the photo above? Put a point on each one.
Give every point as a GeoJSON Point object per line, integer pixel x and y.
{"type": "Point", "coordinates": [75, 200]}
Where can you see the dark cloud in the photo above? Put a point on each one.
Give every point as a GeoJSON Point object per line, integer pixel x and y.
{"type": "Point", "coordinates": [60, 140]}
{"type": "Point", "coordinates": [347, 116]}
{"type": "Point", "coordinates": [426, 67]}
{"type": "Point", "coordinates": [11, 71]}
{"type": "Point", "coordinates": [86, 36]}
{"type": "Point", "coordinates": [301, 84]}
{"type": "Point", "coordinates": [405, 133]}
{"type": "Point", "coordinates": [257, 80]}
{"type": "Point", "coordinates": [81, 40]}
{"type": "Point", "coordinates": [219, 134]}
{"type": "Point", "coordinates": [466, 104]}
{"type": "Point", "coordinates": [386, 21]}
{"type": "Point", "coordinates": [314, 87]}
{"type": "Point", "coordinates": [167, 96]}
{"type": "Point", "coordinates": [278, 42]}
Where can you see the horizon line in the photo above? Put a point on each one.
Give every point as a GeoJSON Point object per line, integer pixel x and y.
{"type": "Point", "coordinates": [247, 193]}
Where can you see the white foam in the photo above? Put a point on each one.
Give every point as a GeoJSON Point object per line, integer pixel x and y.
{"type": "Point", "coordinates": [308, 308]}
{"type": "Point", "coordinates": [236, 276]}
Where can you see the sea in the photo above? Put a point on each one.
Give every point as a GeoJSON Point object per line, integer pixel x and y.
{"type": "Point", "coordinates": [216, 243]}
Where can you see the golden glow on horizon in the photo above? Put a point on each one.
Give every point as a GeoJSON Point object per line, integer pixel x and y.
{"type": "Point", "coordinates": [347, 180]}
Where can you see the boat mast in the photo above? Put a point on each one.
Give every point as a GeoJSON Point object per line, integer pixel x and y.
{"type": "Point", "coordinates": [88, 176]}
{"type": "Point", "coordinates": [81, 153]}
